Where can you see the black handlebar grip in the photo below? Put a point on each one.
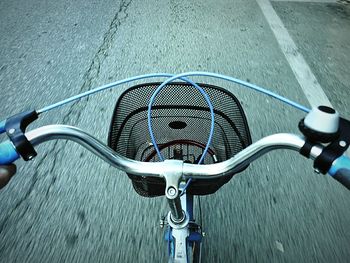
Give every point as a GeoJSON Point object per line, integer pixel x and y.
{"type": "Point", "coordinates": [343, 177]}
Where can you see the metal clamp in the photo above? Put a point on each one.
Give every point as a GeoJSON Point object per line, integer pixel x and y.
{"type": "Point", "coordinates": [172, 174]}
{"type": "Point", "coordinates": [335, 149]}
{"type": "Point", "coordinates": [15, 128]}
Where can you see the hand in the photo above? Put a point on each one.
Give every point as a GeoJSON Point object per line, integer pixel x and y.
{"type": "Point", "coordinates": [6, 172]}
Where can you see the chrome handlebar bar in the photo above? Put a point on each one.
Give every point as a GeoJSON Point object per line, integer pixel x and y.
{"type": "Point", "coordinates": [158, 169]}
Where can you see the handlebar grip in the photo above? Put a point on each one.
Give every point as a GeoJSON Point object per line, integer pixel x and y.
{"type": "Point", "coordinates": [8, 153]}
{"type": "Point", "coordinates": [340, 171]}
{"type": "Point", "coordinates": [343, 177]}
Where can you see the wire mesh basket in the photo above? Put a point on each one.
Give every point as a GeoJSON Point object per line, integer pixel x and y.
{"type": "Point", "coordinates": [181, 123]}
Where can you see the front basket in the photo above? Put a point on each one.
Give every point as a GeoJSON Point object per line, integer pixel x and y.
{"type": "Point", "coordinates": [181, 123]}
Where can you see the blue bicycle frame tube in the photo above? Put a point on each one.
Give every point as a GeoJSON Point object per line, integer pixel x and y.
{"type": "Point", "coordinates": [168, 236]}
{"type": "Point", "coordinates": [189, 206]}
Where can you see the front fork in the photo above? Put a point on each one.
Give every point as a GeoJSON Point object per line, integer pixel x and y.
{"type": "Point", "coordinates": [182, 241]}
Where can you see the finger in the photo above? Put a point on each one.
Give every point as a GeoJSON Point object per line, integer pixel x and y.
{"type": "Point", "coordinates": [8, 170]}
{"type": "Point", "coordinates": [4, 177]}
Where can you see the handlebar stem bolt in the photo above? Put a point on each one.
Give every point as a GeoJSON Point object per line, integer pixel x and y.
{"type": "Point", "coordinates": [171, 191]}
{"type": "Point", "coordinates": [342, 144]}
{"type": "Point", "coordinates": [12, 131]}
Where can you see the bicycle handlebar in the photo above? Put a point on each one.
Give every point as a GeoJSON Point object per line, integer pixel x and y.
{"type": "Point", "coordinates": [249, 154]}
{"type": "Point", "coordinates": [54, 132]}
{"type": "Point", "coordinates": [343, 177]}
{"type": "Point", "coordinates": [339, 169]}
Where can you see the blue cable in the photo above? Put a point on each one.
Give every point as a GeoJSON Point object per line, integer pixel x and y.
{"type": "Point", "coordinates": [149, 118]}
{"type": "Point", "coordinates": [101, 88]}
{"type": "Point", "coordinates": [246, 84]}
{"type": "Point", "coordinates": [157, 75]}
{"type": "Point", "coordinates": [185, 187]}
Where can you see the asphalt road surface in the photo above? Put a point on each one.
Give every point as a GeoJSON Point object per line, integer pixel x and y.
{"type": "Point", "coordinates": [69, 206]}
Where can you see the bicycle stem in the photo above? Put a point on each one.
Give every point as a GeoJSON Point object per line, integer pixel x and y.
{"type": "Point", "coordinates": [173, 176]}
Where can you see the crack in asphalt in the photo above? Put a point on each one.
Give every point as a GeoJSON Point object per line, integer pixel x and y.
{"type": "Point", "coordinates": [74, 112]}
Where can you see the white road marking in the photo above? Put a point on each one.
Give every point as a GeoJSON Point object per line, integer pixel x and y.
{"type": "Point", "coordinates": [307, 80]}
